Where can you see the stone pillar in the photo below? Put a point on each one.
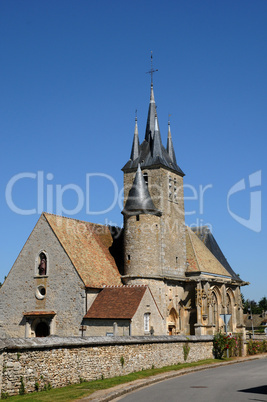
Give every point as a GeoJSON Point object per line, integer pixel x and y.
{"type": "Point", "coordinates": [28, 329]}
{"type": "Point", "coordinates": [199, 330]}
{"type": "Point", "coordinates": [115, 329]}
{"type": "Point", "coordinates": [210, 325]}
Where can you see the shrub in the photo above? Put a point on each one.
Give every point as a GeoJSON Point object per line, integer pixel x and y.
{"type": "Point", "coordinates": [223, 342]}
{"type": "Point", "coordinates": [22, 387]}
{"type": "Point", "coordinates": [256, 347]}
{"type": "Point", "coordinates": [122, 361]}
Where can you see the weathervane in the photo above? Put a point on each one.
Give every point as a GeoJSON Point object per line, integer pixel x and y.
{"type": "Point", "coordinates": [151, 71]}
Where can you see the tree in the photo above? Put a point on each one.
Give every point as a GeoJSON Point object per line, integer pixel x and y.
{"type": "Point", "coordinates": [263, 303]}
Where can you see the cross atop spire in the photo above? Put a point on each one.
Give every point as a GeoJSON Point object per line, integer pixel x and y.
{"type": "Point", "coordinates": [152, 70]}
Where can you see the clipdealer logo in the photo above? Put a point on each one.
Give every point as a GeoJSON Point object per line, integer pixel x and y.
{"type": "Point", "coordinates": [253, 222]}
{"type": "Point", "coordinates": [50, 197]}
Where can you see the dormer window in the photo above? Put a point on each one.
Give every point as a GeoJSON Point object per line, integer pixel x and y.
{"type": "Point", "coordinates": [145, 175]}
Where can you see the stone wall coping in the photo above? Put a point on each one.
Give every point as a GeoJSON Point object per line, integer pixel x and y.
{"type": "Point", "coordinates": [74, 342]}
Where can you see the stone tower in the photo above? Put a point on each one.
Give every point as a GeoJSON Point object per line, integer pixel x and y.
{"type": "Point", "coordinates": [154, 240]}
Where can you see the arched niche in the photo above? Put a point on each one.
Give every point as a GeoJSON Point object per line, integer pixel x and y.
{"type": "Point", "coordinates": [41, 263]}
{"type": "Point", "coordinates": [172, 321]}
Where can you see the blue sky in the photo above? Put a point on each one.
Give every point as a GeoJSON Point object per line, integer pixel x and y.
{"type": "Point", "coordinates": [74, 72]}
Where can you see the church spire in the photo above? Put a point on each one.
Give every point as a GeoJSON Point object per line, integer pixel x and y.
{"type": "Point", "coordinates": [136, 145]}
{"type": "Point", "coordinates": [170, 148]}
{"type": "Point", "coordinates": [152, 107]}
{"type": "Point", "coordinates": [139, 200]}
{"type": "Point", "coordinates": [150, 125]}
{"type": "Point", "coordinates": [151, 152]}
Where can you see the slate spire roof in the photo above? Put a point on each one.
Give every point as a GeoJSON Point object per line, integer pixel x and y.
{"type": "Point", "coordinates": [151, 116]}
{"type": "Point", "coordinates": [170, 148]}
{"type": "Point", "coordinates": [151, 152]}
{"type": "Point", "coordinates": [136, 144]}
{"type": "Point", "coordinates": [139, 200]}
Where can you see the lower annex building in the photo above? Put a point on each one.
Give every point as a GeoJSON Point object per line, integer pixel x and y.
{"type": "Point", "coordinates": [154, 277]}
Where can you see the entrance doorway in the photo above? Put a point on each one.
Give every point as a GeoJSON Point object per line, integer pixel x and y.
{"type": "Point", "coordinates": [42, 330]}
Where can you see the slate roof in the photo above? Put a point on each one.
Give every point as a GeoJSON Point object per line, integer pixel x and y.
{"type": "Point", "coordinates": [87, 245]}
{"type": "Point", "coordinates": [151, 152]}
{"type": "Point", "coordinates": [116, 302]}
{"type": "Point", "coordinates": [200, 258]}
{"type": "Point", "coordinates": [139, 200]}
{"type": "Point", "coordinates": [207, 238]}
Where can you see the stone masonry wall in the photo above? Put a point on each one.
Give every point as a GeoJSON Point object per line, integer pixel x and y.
{"type": "Point", "coordinates": [165, 235]}
{"type": "Point", "coordinates": [64, 288]}
{"type": "Point", "coordinates": [62, 361]}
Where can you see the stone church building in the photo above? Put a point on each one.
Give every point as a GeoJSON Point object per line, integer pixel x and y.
{"type": "Point", "coordinates": [154, 277]}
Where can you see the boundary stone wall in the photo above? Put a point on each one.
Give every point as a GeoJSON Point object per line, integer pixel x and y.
{"type": "Point", "coordinates": [56, 362]}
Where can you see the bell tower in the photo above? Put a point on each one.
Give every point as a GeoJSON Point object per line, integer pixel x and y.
{"type": "Point", "coordinates": [154, 206]}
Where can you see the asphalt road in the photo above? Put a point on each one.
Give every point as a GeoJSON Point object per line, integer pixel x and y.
{"type": "Point", "coordinates": [238, 382]}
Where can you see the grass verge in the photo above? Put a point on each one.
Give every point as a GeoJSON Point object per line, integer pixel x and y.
{"type": "Point", "coordinates": [76, 391]}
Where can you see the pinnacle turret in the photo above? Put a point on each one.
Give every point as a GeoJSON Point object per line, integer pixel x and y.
{"type": "Point", "coordinates": [156, 149]}
{"type": "Point", "coordinates": [139, 200]}
{"type": "Point", "coordinates": [170, 148]}
{"type": "Point", "coordinates": [136, 144]}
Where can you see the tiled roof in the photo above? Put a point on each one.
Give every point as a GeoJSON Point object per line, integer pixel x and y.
{"type": "Point", "coordinates": [87, 245]}
{"type": "Point", "coordinates": [200, 258]}
{"type": "Point", "coordinates": [257, 319]}
{"type": "Point", "coordinates": [116, 302]}
{"type": "Point", "coordinates": [205, 235]}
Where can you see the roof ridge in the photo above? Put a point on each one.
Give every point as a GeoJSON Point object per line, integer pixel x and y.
{"type": "Point", "coordinates": [74, 219]}
{"type": "Point", "coordinates": [125, 286]}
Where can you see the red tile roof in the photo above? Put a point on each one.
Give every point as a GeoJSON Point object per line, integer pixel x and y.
{"type": "Point", "coordinates": [87, 245]}
{"type": "Point", "coordinates": [116, 302]}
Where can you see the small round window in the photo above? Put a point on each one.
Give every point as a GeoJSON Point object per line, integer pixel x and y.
{"type": "Point", "coordinates": [40, 292]}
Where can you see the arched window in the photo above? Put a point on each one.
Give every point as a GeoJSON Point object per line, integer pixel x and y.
{"type": "Point", "coordinates": [146, 322]}
{"type": "Point", "coordinates": [228, 304]}
{"type": "Point", "coordinates": [229, 310]}
{"type": "Point", "coordinates": [215, 317]}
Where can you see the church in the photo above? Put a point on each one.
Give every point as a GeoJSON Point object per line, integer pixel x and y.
{"type": "Point", "coordinates": [154, 277]}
